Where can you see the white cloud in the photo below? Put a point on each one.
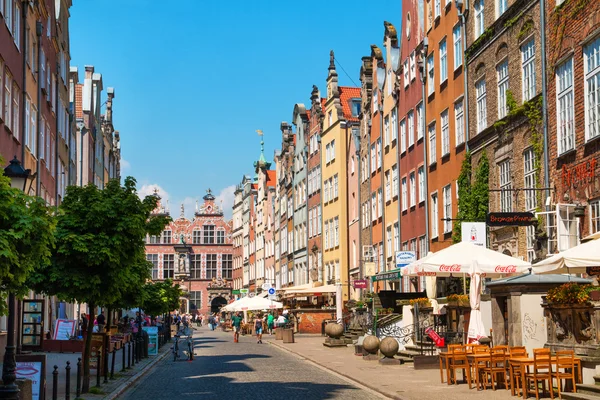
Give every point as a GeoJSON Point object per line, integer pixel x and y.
{"type": "Point", "coordinates": [148, 189]}
{"type": "Point", "coordinates": [125, 166]}
{"type": "Point", "coordinates": [225, 199]}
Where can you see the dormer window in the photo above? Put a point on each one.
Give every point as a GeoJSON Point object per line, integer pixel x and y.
{"type": "Point", "coordinates": [355, 106]}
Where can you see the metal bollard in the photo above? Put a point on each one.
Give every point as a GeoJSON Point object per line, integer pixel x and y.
{"type": "Point", "coordinates": [55, 383]}
{"type": "Point", "coordinates": [123, 354]}
{"type": "Point", "coordinates": [105, 369]}
{"type": "Point", "coordinates": [129, 354]}
{"type": "Point", "coordinates": [98, 365]}
{"type": "Point", "coordinates": [112, 365]}
{"type": "Point", "coordinates": [68, 381]}
{"type": "Point", "coordinates": [133, 352]}
{"type": "Point", "coordinates": [78, 385]}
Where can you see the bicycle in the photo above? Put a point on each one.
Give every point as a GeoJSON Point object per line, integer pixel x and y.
{"type": "Point", "coordinates": [188, 342]}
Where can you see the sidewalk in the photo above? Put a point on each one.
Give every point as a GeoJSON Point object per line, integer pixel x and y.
{"type": "Point", "coordinates": [400, 382]}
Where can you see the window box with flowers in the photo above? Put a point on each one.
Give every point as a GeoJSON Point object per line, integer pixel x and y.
{"type": "Point", "coordinates": [458, 300]}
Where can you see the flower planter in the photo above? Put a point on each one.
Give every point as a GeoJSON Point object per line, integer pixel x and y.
{"type": "Point", "coordinates": [595, 295]}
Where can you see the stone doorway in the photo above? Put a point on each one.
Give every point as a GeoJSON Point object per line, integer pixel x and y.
{"type": "Point", "coordinates": [217, 303]}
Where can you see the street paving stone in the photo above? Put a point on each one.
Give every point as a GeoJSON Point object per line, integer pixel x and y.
{"type": "Point", "coordinates": [245, 370]}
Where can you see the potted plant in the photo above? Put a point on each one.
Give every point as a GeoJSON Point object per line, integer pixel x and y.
{"type": "Point", "coordinates": [422, 302]}
{"type": "Point", "coordinates": [568, 294]}
{"type": "Point", "coordinates": [594, 292]}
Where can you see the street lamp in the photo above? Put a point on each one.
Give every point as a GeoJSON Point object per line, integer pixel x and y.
{"type": "Point", "coordinates": [9, 390]}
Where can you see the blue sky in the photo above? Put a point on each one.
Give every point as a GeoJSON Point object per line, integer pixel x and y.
{"type": "Point", "coordinates": [195, 79]}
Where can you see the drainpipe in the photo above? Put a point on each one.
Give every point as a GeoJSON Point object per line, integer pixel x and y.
{"type": "Point", "coordinates": [544, 99]}
{"type": "Point", "coordinates": [25, 37]}
{"type": "Point", "coordinates": [56, 135]}
{"type": "Point", "coordinates": [38, 184]}
{"type": "Point", "coordinates": [381, 173]}
{"type": "Point", "coordinates": [306, 209]}
{"type": "Point", "coordinates": [359, 204]}
{"type": "Point", "coordinates": [425, 163]}
{"type": "Point", "coordinates": [463, 23]}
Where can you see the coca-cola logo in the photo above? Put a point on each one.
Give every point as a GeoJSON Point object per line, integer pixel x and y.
{"type": "Point", "coordinates": [450, 268]}
{"type": "Point", "coordinates": [508, 269]}
{"type": "Point", "coordinates": [423, 273]}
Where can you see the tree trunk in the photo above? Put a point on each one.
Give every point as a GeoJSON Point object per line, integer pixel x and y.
{"type": "Point", "coordinates": [109, 313]}
{"type": "Point", "coordinates": [88, 349]}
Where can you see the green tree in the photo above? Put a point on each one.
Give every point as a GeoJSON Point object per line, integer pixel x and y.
{"type": "Point", "coordinates": [100, 254]}
{"type": "Point", "coordinates": [160, 297]}
{"type": "Point", "coordinates": [464, 197]}
{"type": "Point", "coordinates": [26, 239]}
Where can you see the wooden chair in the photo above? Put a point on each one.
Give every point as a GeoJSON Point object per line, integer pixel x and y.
{"type": "Point", "coordinates": [458, 361]}
{"type": "Point", "coordinates": [445, 361]}
{"type": "Point", "coordinates": [481, 348]}
{"type": "Point", "coordinates": [516, 380]}
{"type": "Point", "coordinates": [517, 351]}
{"type": "Point", "coordinates": [496, 367]}
{"type": "Point", "coordinates": [542, 371]}
{"type": "Point", "coordinates": [501, 346]}
{"type": "Point", "coordinates": [565, 361]}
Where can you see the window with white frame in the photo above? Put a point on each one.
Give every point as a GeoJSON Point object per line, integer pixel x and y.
{"type": "Point", "coordinates": [432, 144]}
{"type": "Point", "coordinates": [410, 117]}
{"type": "Point", "coordinates": [480, 92]}
{"type": "Point", "coordinates": [505, 186]}
{"type": "Point", "coordinates": [502, 71]}
{"type": "Point", "coordinates": [443, 62]}
{"type": "Point", "coordinates": [373, 158]}
{"type": "Point", "coordinates": [438, 8]}
{"type": "Point", "coordinates": [413, 73]}
{"type": "Point", "coordinates": [406, 73]}
{"type": "Point", "coordinates": [594, 216]}
{"type": "Point", "coordinates": [374, 206]}
{"type": "Point", "coordinates": [459, 122]}
{"type": "Point", "coordinates": [591, 68]}
{"type": "Point", "coordinates": [413, 190]}
{"type": "Point", "coordinates": [434, 215]}
{"type": "Point", "coordinates": [333, 150]}
{"type": "Point", "coordinates": [327, 153]}
{"type": "Point", "coordinates": [389, 83]}
{"type": "Point", "coordinates": [379, 158]}
{"type": "Point", "coordinates": [388, 237]}
{"type": "Point", "coordinates": [379, 202]}
{"type": "Point", "coordinates": [422, 188]}
{"type": "Point", "coordinates": [457, 40]}
{"type": "Point", "coordinates": [479, 20]}
{"type": "Point", "coordinates": [335, 186]}
{"type": "Point", "coordinates": [403, 135]}
{"type": "Point", "coordinates": [394, 124]}
{"type": "Point", "coordinates": [7, 99]}
{"type": "Point", "coordinates": [396, 236]}
{"type": "Point", "coordinates": [404, 195]}
{"type": "Point", "coordinates": [375, 101]}
{"type": "Point", "coordinates": [564, 104]}
{"type": "Point", "coordinates": [529, 173]}
{"type": "Point", "coordinates": [530, 238]}
{"type": "Point", "coordinates": [528, 64]}
{"type": "Point", "coordinates": [447, 198]}
{"type": "Point", "coordinates": [420, 121]}
{"type": "Point", "coordinates": [430, 75]}
{"type": "Point", "coordinates": [445, 133]}
{"type": "Point", "coordinates": [388, 186]}
{"type": "Point", "coordinates": [386, 130]}
{"type": "Point", "coordinates": [502, 6]}
{"type": "Point", "coordinates": [394, 180]}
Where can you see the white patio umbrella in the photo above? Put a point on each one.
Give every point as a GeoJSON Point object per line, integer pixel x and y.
{"type": "Point", "coordinates": [259, 303]}
{"type": "Point", "coordinates": [476, 330]}
{"type": "Point", "coordinates": [572, 261]}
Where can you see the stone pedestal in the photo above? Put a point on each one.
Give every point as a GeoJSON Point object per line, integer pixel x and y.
{"type": "Point", "coordinates": [371, 357]}
{"type": "Point", "coordinates": [332, 342]}
{"type": "Point", "coordinates": [390, 361]}
{"type": "Point", "coordinates": [389, 348]}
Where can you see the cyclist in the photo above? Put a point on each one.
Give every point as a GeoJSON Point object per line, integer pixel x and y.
{"type": "Point", "coordinates": [236, 322]}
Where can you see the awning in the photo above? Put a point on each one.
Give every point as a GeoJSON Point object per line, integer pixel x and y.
{"type": "Point", "coordinates": [318, 290]}
{"type": "Point", "coordinates": [392, 275]}
{"type": "Point", "coordinates": [297, 289]}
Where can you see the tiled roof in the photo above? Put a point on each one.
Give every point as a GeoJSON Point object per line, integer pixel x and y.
{"type": "Point", "coordinates": [347, 93]}
{"type": "Point", "coordinates": [271, 178]}
{"type": "Point", "coordinates": [78, 100]}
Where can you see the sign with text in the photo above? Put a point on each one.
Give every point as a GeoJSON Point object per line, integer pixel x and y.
{"type": "Point", "coordinates": [33, 368]}
{"type": "Point", "coordinates": [360, 283]}
{"type": "Point", "coordinates": [474, 232]}
{"type": "Point", "coordinates": [387, 276]}
{"type": "Point", "coordinates": [152, 339]}
{"type": "Point", "coordinates": [64, 329]}
{"type": "Point", "coordinates": [403, 258]}
{"type": "Point", "coordinates": [369, 268]}
{"type": "Point", "coordinates": [511, 219]}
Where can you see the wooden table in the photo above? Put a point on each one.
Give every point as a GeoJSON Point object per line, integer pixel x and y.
{"type": "Point", "coordinates": [523, 363]}
{"type": "Point", "coordinates": [474, 360]}
{"type": "Point", "coordinates": [444, 358]}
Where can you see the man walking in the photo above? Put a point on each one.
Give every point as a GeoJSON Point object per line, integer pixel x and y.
{"type": "Point", "coordinates": [236, 323]}
{"type": "Point", "coordinates": [101, 321]}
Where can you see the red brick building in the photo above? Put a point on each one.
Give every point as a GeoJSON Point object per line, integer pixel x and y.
{"type": "Point", "coordinates": [198, 254]}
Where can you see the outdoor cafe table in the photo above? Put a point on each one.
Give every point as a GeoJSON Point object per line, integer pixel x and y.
{"type": "Point", "coordinates": [445, 357]}
{"type": "Point", "coordinates": [524, 362]}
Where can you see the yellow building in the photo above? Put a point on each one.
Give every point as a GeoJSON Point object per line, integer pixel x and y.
{"type": "Point", "coordinates": [339, 106]}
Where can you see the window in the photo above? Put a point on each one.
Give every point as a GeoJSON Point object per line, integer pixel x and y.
{"type": "Point", "coordinates": [459, 124]}
{"type": "Point", "coordinates": [564, 102]}
{"type": "Point", "coordinates": [195, 300]}
{"type": "Point", "coordinates": [403, 135]}
{"type": "Point", "coordinates": [388, 237]}
{"type": "Point", "coordinates": [481, 105]}
{"type": "Point", "coordinates": [458, 52]}
{"type": "Point", "coordinates": [445, 134]}
{"type": "Point", "coordinates": [422, 188]}
{"type": "Point", "coordinates": [592, 88]}
{"type": "Point", "coordinates": [220, 237]}
{"type": "Point", "coordinates": [153, 258]}
{"type": "Point", "coordinates": [479, 22]}
{"type": "Point", "coordinates": [530, 238]}
{"type": "Point", "coordinates": [335, 186]}
{"type": "Point", "coordinates": [208, 234]}
{"type": "Point", "coordinates": [420, 121]}
{"type": "Point", "coordinates": [434, 215]}
{"type": "Point", "coordinates": [430, 75]}
{"type": "Point", "coordinates": [8, 14]}
{"type": "Point", "coordinates": [388, 186]}
{"type": "Point", "coordinates": [196, 235]}
{"type": "Point", "coordinates": [336, 235]}
{"type": "Point", "coordinates": [396, 236]}
{"type": "Point", "coordinates": [332, 150]}
{"type": "Point", "coordinates": [386, 130]}
{"type": "Point", "coordinates": [379, 203]}
{"type": "Point", "coordinates": [502, 6]}
{"type": "Point", "coordinates": [196, 266]}
{"type": "Point", "coordinates": [394, 180]}
{"type": "Point", "coordinates": [355, 103]}
{"type": "Point", "coordinates": [529, 176]}
{"type": "Point", "coordinates": [166, 237]}
{"type": "Point", "coordinates": [413, 190]}
{"type": "Point", "coordinates": [406, 73]}
{"type": "Point", "coordinates": [7, 99]}
{"type": "Point", "coordinates": [438, 8]}
{"type": "Point", "coordinates": [227, 266]}
{"type": "Point", "coordinates": [329, 118]}
{"type": "Point", "coordinates": [373, 158]}
{"type": "Point", "coordinates": [447, 197]}
{"type": "Point", "coordinates": [528, 62]}
{"type": "Point", "coordinates": [404, 195]}
{"type": "Point", "coordinates": [374, 206]}
{"type": "Point", "coordinates": [502, 71]}
{"type": "Point", "coordinates": [27, 127]}
{"type": "Point", "coordinates": [211, 266]}
{"type": "Point", "coordinates": [432, 144]}
{"type": "Point", "coordinates": [594, 216]}
{"type": "Point", "coordinates": [443, 62]}
{"type": "Point", "coordinates": [394, 124]}
{"type": "Point", "coordinates": [411, 128]}
{"type": "Point", "coordinates": [379, 153]}
{"type": "Point", "coordinates": [505, 186]}
{"type": "Point", "coordinates": [413, 73]}
{"type": "Point", "coordinates": [17, 25]}
{"type": "Point", "coordinates": [561, 228]}
{"type": "Point", "coordinates": [168, 266]}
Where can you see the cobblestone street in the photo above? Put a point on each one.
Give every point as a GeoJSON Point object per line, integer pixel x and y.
{"type": "Point", "coordinates": [223, 370]}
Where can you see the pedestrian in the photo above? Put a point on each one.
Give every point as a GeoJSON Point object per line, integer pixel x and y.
{"type": "Point", "coordinates": [101, 321]}
{"type": "Point", "coordinates": [258, 328]}
{"type": "Point", "coordinates": [178, 322]}
{"type": "Point", "coordinates": [211, 322]}
{"type": "Point", "coordinates": [281, 321]}
{"type": "Point", "coordinates": [270, 322]}
{"type": "Point", "coordinates": [236, 324]}
{"type": "Point", "coordinates": [84, 323]}
{"type": "Point", "coordinates": [139, 321]}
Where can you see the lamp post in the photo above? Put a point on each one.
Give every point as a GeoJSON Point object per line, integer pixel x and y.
{"type": "Point", "coordinates": [9, 390]}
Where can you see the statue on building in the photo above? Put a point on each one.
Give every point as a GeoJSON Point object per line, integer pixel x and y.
{"type": "Point", "coordinates": [182, 268]}
{"type": "Point", "coordinates": [181, 238]}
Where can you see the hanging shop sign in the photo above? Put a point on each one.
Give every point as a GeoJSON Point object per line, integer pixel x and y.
{"type": "Point", "coordinates": [511, 219]}
{"type": "Point", "coordinates": [387, 276]}
{"type": "Point", "coordinates": [360, 283]}
{"type": "Point", "coordinates": [474, 232]}
{"type": "Point", "coordinates": [579, 174]}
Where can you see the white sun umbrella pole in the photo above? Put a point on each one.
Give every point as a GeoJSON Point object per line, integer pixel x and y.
{"type": "Point", "coordinates": [338, 303]}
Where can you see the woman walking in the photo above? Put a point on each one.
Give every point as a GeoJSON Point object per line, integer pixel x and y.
{"type": "Point", "coordinates": [258, 327]}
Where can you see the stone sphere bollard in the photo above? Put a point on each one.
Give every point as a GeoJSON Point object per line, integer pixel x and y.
{"type": "Point", "coordinates": [334, 331]}
{"type": "Point", "coordinates": [389, 347]}
{"type": "Point", "coordinates": [371, 344]}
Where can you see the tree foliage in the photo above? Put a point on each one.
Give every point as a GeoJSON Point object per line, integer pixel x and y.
{"type": "Point", "coordinates": [160, 297]}
{"type": "Point", "coordinates": [26, 239]}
